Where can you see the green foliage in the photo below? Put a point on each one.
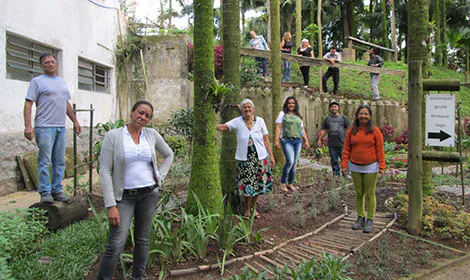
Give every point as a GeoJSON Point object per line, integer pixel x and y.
{"type": "Point", "coordinates": [178, 145]}
{"type": "Point", "coordinates": [182, 122]}
{"type": "Point", "coordinates": [102, 129]}
{"type": "Point", "coordinates": [20, 236]}
{"type": "Point", "coordinates": [389, 147]}
{"type": "Point", "coordinates": [248, 71]}
{"type": "Point", "coordinates": [129, 45]}
{"type": "Point", "coordinates": [71, 251]}
{"type": "Point", "coordinates": [439, 219]}
{"type": "Point", "coordinates": [326, 267]}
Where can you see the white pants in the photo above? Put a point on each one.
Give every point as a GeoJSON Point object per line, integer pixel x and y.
{"type": "Point", "coordinates": [374, 82]}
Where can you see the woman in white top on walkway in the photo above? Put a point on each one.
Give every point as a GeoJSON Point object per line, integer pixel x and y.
{"type": "Point", "coordinates": [130, 179]}
{"type": "Point", "coordinates": [254, 155]}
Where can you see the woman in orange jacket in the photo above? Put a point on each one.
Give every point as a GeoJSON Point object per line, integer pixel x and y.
{"type": "Point", "coordinates": [364, 150]}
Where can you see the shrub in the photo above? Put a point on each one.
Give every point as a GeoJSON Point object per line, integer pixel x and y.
{"type": "Point", "coordinates": [182, 122]}
{"type": "Point", "coordinates": [403, 138]}
{"type": "Point", "coordinates": [178, 144]}
{"type": "Point", "coordinates": [387, 132]}
{"type": "Point", "coordinates": [218, 60]}
{"type": "Point", "coordinates": [248, 71]}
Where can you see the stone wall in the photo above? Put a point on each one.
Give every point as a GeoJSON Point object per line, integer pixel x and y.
{"type": "Point", "coordinates": [14, 144]}
{"type": "Point", "coordinates": [166, 67]}
{"type": "Point", "coordinates": [315, 108]}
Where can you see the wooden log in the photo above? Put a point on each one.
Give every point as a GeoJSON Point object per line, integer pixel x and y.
{"type": "Point", "coordinates": [441, 85]}
{"type": "Point", "coordinates": [295, 251]}
{"type": "Point", "coordinates": [308, 61]}
{"type": "Point", "coordinates": [370, 44]}
{"type": "Point", "coordinates": [330, 243]}
{"type": "Point", "coordinates": [426, 241]}
{"type": "Point", "coordinates": [324, 248]}
{"type": "Point", "coordinates": [29, 185]}
{"type": "Point", "coordinates": [264, 268]}
{"type": "Point", "coordinates": [252, 268]}
{"type": "Point", "coordinates": [299, 255]}
{"type": "Point", "coordinates": [441, 156]}
{"type": "Point", "coordinates": [310, 250]}
{"type": "Point", "coordinates": [268, 260]}
{"type": "Point", "coordinates": [62, 214]}
{"type": "Point", "coordinates": [285, 256]}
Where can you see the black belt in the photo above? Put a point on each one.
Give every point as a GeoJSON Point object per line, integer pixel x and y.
{"type": "Point", "coordinates": [140, 190]}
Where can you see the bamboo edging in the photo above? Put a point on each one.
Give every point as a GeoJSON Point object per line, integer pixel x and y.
{"type": "Point", "coordinates": [202, 268]}
{"type": "Point", "coordinates": [427, 241]}
{"type": "Point", "coordinates": [353, 251]}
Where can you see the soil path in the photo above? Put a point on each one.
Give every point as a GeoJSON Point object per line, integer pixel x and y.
{"type": "Point", "coordinates": [458, 272]}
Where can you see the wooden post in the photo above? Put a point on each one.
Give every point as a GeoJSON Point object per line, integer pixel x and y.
{"type": "Point", "coordinates": [460, 134]}
{"type": "Point", "coordinates": [415, 145]}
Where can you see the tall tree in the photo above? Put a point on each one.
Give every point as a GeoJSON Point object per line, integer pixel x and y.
{"type": "Point", "coordinates": [444, 34]}
{"type": "Point", "coordinates": [437, 34]}
{"type": "Point", "coordinates": [231, 43]}
{"type": "Point", "coordinates": [298, 22]}
{"type": "Point", "coordinates": [383, 7]}
{"type": "Point", "coordinates": [205, 177]}
{"type": "Point", "coordinates": [418, 19]}
{"type": "Point", "coordinates": [393, 29]}
{"type": "Point", "coordinates": [276, 68]}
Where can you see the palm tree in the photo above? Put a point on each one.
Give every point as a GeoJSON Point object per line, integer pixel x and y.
{"type": "Point", "coordinates": [276, 71]}
{"type": "Point", "coordinates": [205, 177]}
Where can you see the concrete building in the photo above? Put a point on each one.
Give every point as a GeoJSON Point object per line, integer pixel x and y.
{"type": "Point", "coordinates": [83, 35]}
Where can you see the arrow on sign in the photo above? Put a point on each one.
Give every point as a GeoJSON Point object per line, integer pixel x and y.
{"type": "Point", "coordinates": [438, 135]}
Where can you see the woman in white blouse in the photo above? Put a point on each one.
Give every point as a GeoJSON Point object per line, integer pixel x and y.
{"type": "Point", "coordinates": [254, 155]}
{"type": "Point", "coordinates": [130, 179]}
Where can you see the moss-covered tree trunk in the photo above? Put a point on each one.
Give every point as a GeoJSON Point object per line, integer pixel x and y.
{"type": "Point", "coordinates": [437, 33]}
{"type": "Point", "coordinates": [276, 71]}
{"type": "Point", "coordinates": [444, 33]}
{"type": "Point", "coordinates": [205, 177]}
{"type": "Point", "coordinates": [393, 30]}
{"type": "Point", "coordinates": [385, 43]}
{"type": "Point", "coordinates": [298, 22]}
{"type": "Point", "coordinates": [418, 17]}
{"type": "Point", "coordinates": [320, 40]}
{"type": "Point", "coordinates": [231, 43]}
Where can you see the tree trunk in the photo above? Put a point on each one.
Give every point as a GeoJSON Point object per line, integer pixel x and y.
{"type": "Point", "coordinates": [372, 26]}
{"type": "Point", "coordinates": [276, 70]}
{"type": "Point", "coordinates": [418, 18]}
{"type": "Point", "coordinates": [437, 34]}
{"type": "Point", "coordinates": [320, 40]}
{"type": "Point", "coordinates": [393, 29]}
{"type": "Point", "coordinates": [298, 22]}
{"type": "Point", "coordinates": [231, 43]}
{"type": "Point", "coordinates": [170, 12]}
{"type": "Point", "coordinates": [162, 18]}
{"type": "Point", "coordinates": [205, 177]}
{"type": "Point", "coordinates": [347, 17]}
{"type": "Point", "coordinates": [445, 61]}
{"type": "Point", "coordinates": [268, 3]}
{"type": "Point", "coordinates": [385, 42]}
{"type": "Point", "coordinates": [62, 214]}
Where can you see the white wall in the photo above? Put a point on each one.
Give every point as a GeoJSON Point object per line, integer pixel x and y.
{"type": "Point", "coordinates": [76, 28]}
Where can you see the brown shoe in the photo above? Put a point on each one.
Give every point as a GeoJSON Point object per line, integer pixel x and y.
{"type": "Point", "coordinates": [284, 188]}
{"type": "Point", "coordinates": [292, 188]}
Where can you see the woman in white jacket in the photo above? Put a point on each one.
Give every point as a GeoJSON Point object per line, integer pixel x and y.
{"type": "Point", "coordinates": [130, 179]}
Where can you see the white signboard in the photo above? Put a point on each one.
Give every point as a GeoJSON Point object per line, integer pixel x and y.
{"type": "Point", "coordinates": [440, 120]}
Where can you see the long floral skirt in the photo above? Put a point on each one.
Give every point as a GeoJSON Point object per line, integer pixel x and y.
{"type": "Point", "coordinates": [254, 176]}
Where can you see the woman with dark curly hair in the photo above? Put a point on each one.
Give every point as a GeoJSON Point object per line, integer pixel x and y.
{"type": "Point", "coordinates": [364, 150]}
{"type": "Point", "coordinates": [290, 130]}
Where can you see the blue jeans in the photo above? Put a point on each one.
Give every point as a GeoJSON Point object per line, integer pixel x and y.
{"type": "Point", "coordinates": [141, 207]}
{"type": "Point", "coordinates": [335, 154]}
{"type": "Point", "coordinates": [291, 149]}
{"type": "Point", "coordinates": [51, 144]}
{"type": "Point", "coordinates": [286, 68]}
{"type": "Point", "coordinates": [261, 62]}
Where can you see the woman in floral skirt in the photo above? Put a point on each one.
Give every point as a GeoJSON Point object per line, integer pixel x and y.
{"type": "Point", "coordinates": [254, 155]}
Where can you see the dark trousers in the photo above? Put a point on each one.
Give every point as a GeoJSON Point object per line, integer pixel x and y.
{"type": "Point", "coordinates": [335, 154]}
{"type": "Point", "coordinates": [305, 70]}
{"type": "Point", "coordinates": [331, 72]}
{"type": "Point", "coordinates": [261, 62]}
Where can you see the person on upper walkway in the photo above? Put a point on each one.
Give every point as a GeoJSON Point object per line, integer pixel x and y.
{"type": "Point", "coordinates": [333, 57]}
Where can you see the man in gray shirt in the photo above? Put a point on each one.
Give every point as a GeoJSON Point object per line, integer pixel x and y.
{"type": "Point", "coordinates": [375, 61]}
{"type": "Point", "coordinates": [336, 125]}
{"type": "Point", "coordinates": [51, 95]}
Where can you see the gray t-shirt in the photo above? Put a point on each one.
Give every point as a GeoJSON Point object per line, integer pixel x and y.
{"type": "Point", "coordinates": [51, 95]}
{"type": "Point", "coordinates": [336, 127]}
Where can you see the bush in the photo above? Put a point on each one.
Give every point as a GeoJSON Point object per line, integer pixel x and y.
{"type": "Point", "coordinates": [182, 122]}
{"type": "Point", "coordinates": [387, 132]}
{"type": "Point", "coordinates": [248, 71]}
{"type": "Point", "coordinates": [218, 60]}
{"type": "Point", "coordinates": [178, 145]}
{"type": "Point", "coordinates": [403, 138]}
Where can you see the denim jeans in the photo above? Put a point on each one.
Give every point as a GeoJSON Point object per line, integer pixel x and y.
{"type": "Point", "coordinates": [291, 149]}
{"type": "Point", "coordinates": [262, 64]}
{"type": "Point", "coordinates": [51, 144]}
{"type": "Point", "coordinates": [286, 68]}
{"type": "Point", "coordinates": [335, 154]}
{"type": "Point", "coordinates": [141, 207]}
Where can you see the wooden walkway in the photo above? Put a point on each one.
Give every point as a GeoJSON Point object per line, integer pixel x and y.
{"type": "Point", "coordinates": [335, 237]}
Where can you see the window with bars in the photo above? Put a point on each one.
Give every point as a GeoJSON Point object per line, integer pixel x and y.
{"type": "Point", "coordinates": [92, 76]}
{"type": "Point", "coordinates": [23, 57]}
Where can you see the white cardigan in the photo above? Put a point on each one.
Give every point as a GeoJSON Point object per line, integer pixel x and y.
{"type": "Point", "coordinates": [112, 162]}
{"type": "Point", "coordinates": [243, 134]}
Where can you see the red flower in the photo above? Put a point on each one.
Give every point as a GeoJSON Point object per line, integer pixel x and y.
{"type": "Point", "coordinates": [403, 160]}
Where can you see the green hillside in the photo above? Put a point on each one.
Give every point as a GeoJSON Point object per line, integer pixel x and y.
{"type": "Point", "coordinates": [353, 85]}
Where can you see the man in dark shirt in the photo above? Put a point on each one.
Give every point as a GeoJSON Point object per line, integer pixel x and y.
{"type": "Point", "coordinates": [375, 61]}
{"type": "Point", "coordinates": [336, 125]}
{"type": "Point", "coordinates": [332, 56]}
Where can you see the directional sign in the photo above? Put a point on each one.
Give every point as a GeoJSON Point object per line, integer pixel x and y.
{"type": "Point", "coordinates": [440, 120]}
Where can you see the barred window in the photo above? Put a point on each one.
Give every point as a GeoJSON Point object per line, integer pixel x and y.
{"type": "Point", "coordinates": [92, 76]}
{"type": "Point", "coordinates": [23, 57]}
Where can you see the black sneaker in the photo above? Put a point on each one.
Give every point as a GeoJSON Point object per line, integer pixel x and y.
{"type": "Point", "coordinates": [47, 198]}
{"type": "Point", "coordinates": [359, 223]}
{"type": "Point", "coordinates": [61, 197]}
{"type": "Point", "coordinates": [369, 227]}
